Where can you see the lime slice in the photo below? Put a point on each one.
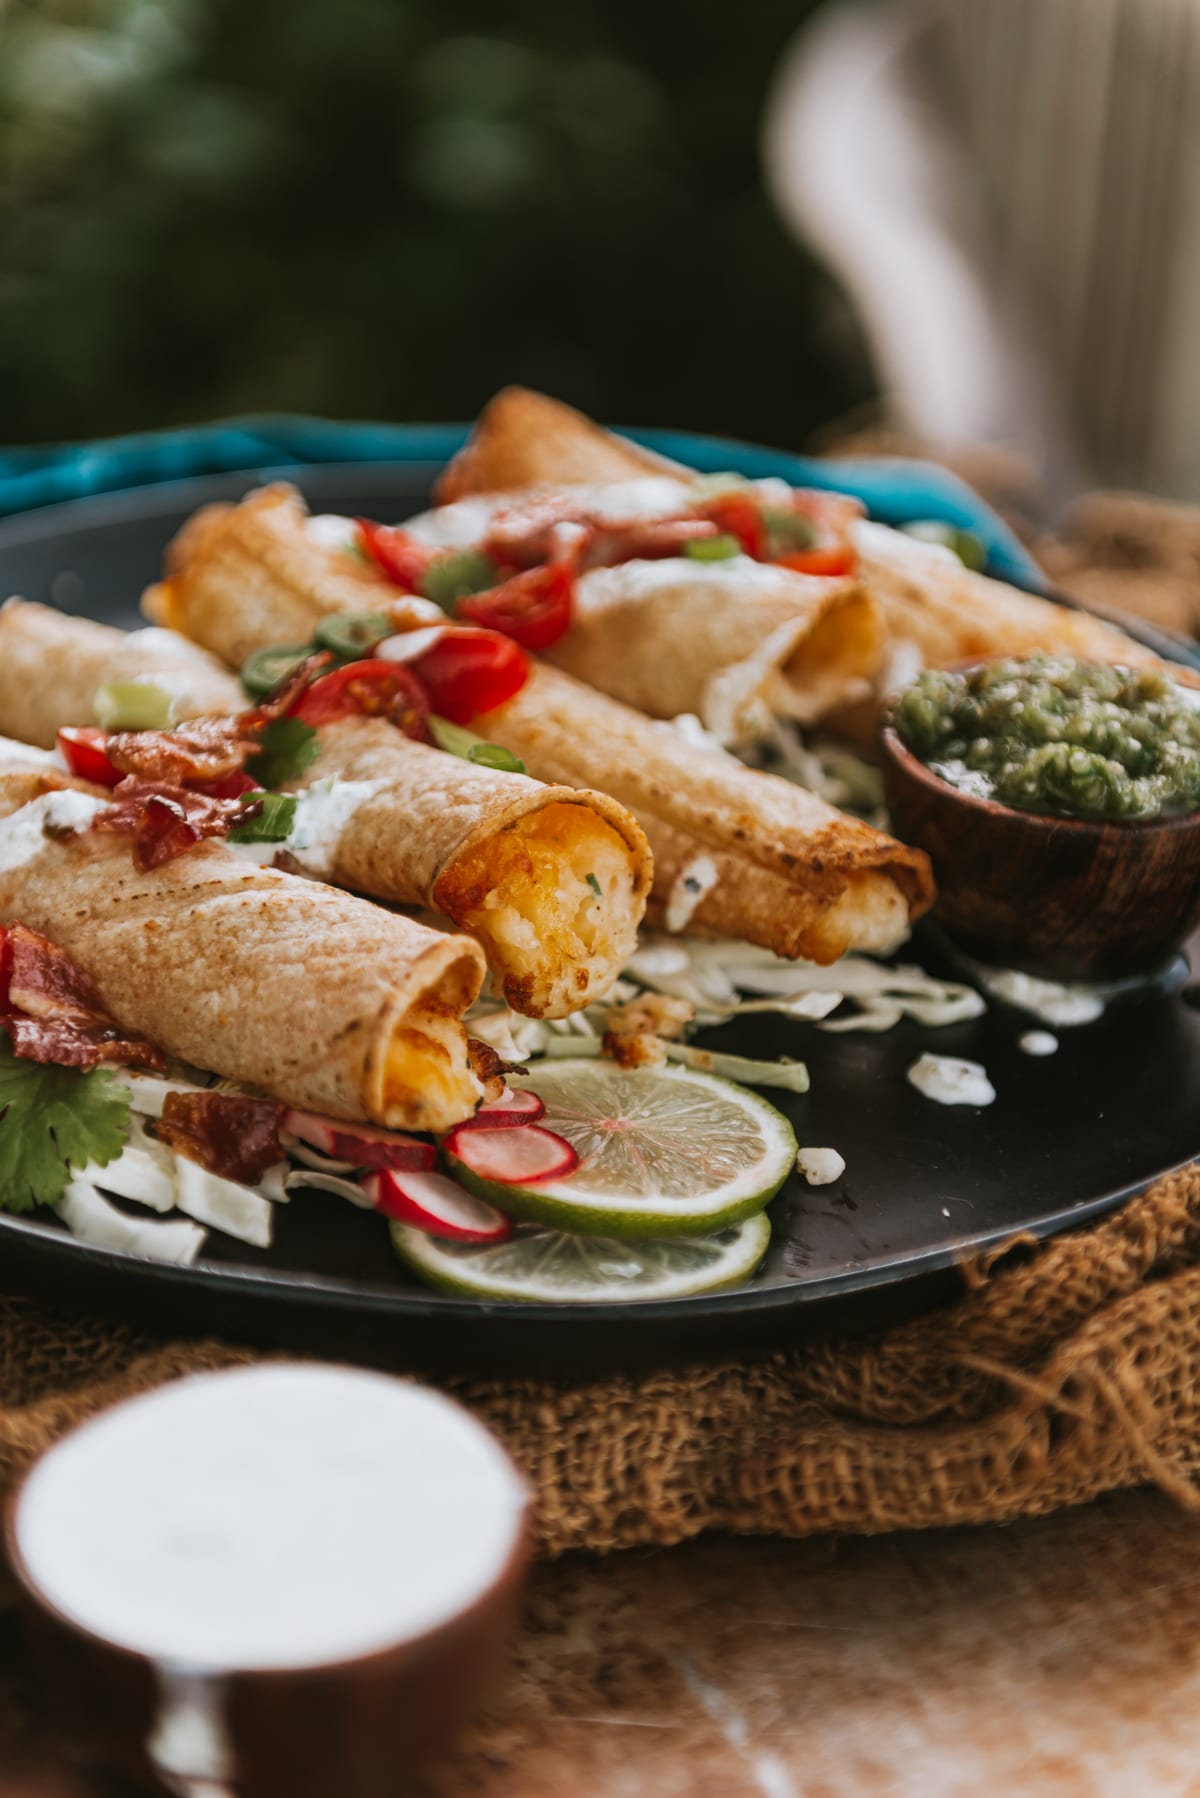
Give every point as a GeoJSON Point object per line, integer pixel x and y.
{"type": "Point", "coordinates": [551, 1267]}
{"type": "Point", "coordinates": [663, 1152]}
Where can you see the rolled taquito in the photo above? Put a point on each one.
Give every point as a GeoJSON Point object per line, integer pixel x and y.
{"type": "Point", "coordinates": [733, 642]}
{"type": "Point", "coordinates": [736, 852]}
{"type": "Point", "coordinates": [935, 611]}
{"type": "Point", "coordinates": [318, 999]}
{"type": "Point", "coordinates": [552, 881]}
{"type": "Point", "coordinates": [52, 666]}
{"type": "Point", "coordinates": [944, 613]}
{"type": "Point", "coordinates": [266, 561]}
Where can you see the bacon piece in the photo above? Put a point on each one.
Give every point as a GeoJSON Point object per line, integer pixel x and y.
{"type": "Point", "coordinates": [553, 527]}
{"type": "Point", "coordinates": [52, 1012]}
{"type": "Point", "coordinates": [228, 1133]}
{"type": "Point", "coordinates": [490, 1068]}
{"type": "Point", "coordinates": [547, 527]}
{"type": "Point", "coordinates": [283, 700]}
{"type": "Point", "coordinates": [44, 982]}
{"type": "Point", "coordinates": [642, 540]}
{"type": "Point", "coordinates": [166, 821]}
{"type": "Point", "coordinates": [205, 749]}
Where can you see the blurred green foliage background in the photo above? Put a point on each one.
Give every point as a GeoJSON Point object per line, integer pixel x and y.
{"type": "Point", "coordinates": [388, 208]}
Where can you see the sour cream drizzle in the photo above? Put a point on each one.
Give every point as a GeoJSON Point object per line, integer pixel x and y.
{"type": "Point", "coordinates": [25, 834]}
{"type": "Point", "coordinates": [950, 1081]}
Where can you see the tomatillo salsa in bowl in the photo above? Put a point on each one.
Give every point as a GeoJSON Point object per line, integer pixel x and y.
{"type": "Point", "coordinates": [1059, 801]}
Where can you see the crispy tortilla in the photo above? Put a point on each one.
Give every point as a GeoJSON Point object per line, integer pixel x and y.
{"type": "Point", "coordinates": [319, 999]}
{"type": "Point", "coordinates": [520, 434]}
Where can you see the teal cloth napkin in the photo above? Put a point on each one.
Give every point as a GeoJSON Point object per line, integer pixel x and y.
{"type": "Point", "coordinates": [894, 491]}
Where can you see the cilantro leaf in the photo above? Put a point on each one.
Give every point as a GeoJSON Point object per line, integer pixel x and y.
{"type": "Point", "coordinates": [288, 747]}
{"type": "Point", "coordinates": [595, 885]}
{"type": "Point", "coordinates": [272, 816]}
{"type": "Point", "coordinates": [53, 1120]}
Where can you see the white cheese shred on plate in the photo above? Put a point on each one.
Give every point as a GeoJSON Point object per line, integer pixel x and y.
{"type": "Point", "coordinates": [821, 1167]}
{"type": "Point", "coordinates": [951, 1081]}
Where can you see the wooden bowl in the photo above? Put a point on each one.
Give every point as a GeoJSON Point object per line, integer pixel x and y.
{"type": "Point", "coordinates": [1052, 896]}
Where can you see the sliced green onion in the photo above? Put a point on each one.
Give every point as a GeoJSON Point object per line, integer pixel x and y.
{"type": "Point", "coordinates": [269, 819]}
{"type": "Point", "coordinates": [712, 549]}
{"type": "Point", "coordinates": [595, 886]}
{"type": "Point", "coordinates": [967, 546]}
{"type": "Point", "coordinates": [352, 635]}
{"type": "Point", "coordinates": [464, 743]}
{"type": "Point", "coordinates": [454, 575]}
{"type": "Point", "coordinates": [494, 755]}
{"type": "Point", "coordinates": [262, 673]}
{"type": "Point", "coordinates": [132, 705]}
{"type": "Point", "coordinates": [787, 532]}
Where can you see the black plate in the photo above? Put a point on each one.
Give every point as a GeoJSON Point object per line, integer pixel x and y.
{"type": "Point", "coordinates": [1068, 1137]}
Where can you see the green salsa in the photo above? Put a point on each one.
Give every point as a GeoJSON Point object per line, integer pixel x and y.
{"type": "Point", "coordinates": [1057, 736]}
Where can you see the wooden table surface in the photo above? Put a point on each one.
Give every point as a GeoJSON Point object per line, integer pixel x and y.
{"type": "Point", "coordinates": [1053, 1659]}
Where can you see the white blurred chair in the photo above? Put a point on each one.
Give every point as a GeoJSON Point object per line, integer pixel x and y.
{"type": "Point", "coordinates": [1010, 191]}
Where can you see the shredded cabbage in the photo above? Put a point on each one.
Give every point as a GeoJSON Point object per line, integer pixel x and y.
{"type": "Point", "coordinates": [715, 976]}
{"type": "Point", "coordinates": [239, 1211]}
{"type": "Point", "coordinates": [95, 1219]}
{"type": "Point", "coordinates": [345, 1189]}
{"type": "Point", "coordinates": [144, 1170]}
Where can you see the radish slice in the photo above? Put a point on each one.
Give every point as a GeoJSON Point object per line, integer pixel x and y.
{"type": "Point", "coordinates": [436, 1205]}
{"type": "Point", "coordinates": [358, 1144]}
{"type": "Point", "coordinates": [502, 1114]}
{"type": "Point", "coordinates": [516, 1157]}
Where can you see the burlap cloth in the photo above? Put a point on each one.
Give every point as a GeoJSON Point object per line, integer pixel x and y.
{"type": "Point", "coordinates": [1063, 1371]}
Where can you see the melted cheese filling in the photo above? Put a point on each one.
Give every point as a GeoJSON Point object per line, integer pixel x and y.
{"type": "Point", "coordinates": [428, 1083]}
{"type": "Point", "coordinates": [552, 900]}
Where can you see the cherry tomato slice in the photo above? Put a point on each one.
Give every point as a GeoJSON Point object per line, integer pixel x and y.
{"type": "Point", "coordinates": [82, 747]}
{"type": "Point", "coordinates": [833, 559]}
{"type": "Point", "coordinates": [466, 671]}
{"type": "Point", "coordinates": [372, 689]}
{"type": "Point", "coordinates": [534, 608]}
{"type": "Point", "coordinates": [395, 553]}
{"type": "Point", "coordinates": [736, 516]}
